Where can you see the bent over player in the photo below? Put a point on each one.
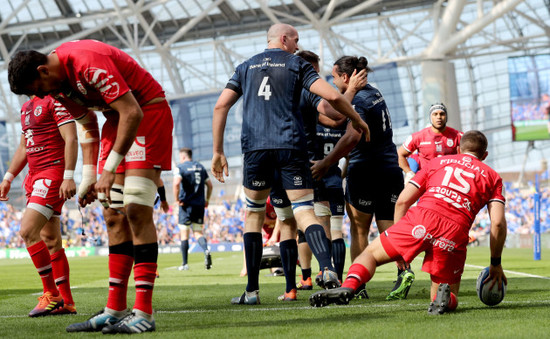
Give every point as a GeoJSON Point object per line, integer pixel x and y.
{"type": "Point", "coordinates": [270, 84]}
{"type": "Point", "coordinates": [452, 189]}
{"type": "Point", "coordinates": [136, 144]}
{"type": "Point", "coordinates": [49, 146]}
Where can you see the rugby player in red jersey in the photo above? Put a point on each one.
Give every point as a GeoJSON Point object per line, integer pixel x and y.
{"type": "Point", "coordinates": [49, 146]}
{"type": "Point", "coordinates": [452, 189]}
{"type": "Point", "coordinates": [136, 145]}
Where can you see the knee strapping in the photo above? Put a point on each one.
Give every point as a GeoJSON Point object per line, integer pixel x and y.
{"type": "Point", "coordinates": [284, 213]}
{"type": "Point", "coordinates": [255, 205]}
{"type": "Point", "coordinates": [139, 190]}
{"type": "Point", "coordinates": [321, 210]}
{"type": "Point", "coordinates": [336, 222]}
{"type": "Point", "coordinates": [304, 203]}
{"type": "Point", "coordinates": [117, 196]}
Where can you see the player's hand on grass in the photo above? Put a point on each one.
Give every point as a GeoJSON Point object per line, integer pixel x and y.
{"type": "Point", "coordinates": [496, 276]}
{"type": "Point", "coordinates": [219, 167]}
{"type": "Point", "coordinates": [67, 189]}
{"type": "Point", "coordinates": [4, 190]}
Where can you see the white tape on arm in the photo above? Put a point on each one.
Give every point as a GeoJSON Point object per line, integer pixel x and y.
{"type": "Point", "coordinates": [88, 178]}
{"type": "Point", "coordinates": [112, 162]}
{"type": "Point", "coordinates": [9, 177]}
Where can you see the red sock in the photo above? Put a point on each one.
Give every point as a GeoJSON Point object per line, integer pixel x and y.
{"type": "Point", "coordinates": [144, 275]}
{"type": "Point", "coordinates": [453, 303]}
{"type": "Point", "coordinates": [120, 267]}
{"type": "Point", "coordinates": [43, 263]}
{"type": "Point", "coordinates": [60, 267]}
{"type": "Point", "coordinates": [357, 276]}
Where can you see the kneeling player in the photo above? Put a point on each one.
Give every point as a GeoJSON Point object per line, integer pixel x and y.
{"type": "Point", "coordinates": [452, 189]}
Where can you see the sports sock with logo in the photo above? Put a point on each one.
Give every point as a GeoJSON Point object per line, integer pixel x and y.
{"type": "Point", "coordinates": [339, 256]}
{"type": "Point", "coordinates": [253, 255]}
{"type": "Point", "coordinates": [184, 251]}
{"type": "Point", "coordinates": [320, 245]}
{"type": "Point", "coordinates": [42, 261]}
{"type": "Point", "coordinates": [121, 259]}
{"type": "Point", "coordinates": [145, 269]}
{"type": "Point", "coordinates": [357, 276]}
{"type": "Point", "coordinates": [289, 255]}
{"type": "Point", "coordinates": [60, 267]}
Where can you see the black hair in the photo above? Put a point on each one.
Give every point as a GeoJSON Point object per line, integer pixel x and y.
{"type": "Point", "coordinates": [347, 64]}
{"type": "Point", "coordinates": [22, 70]}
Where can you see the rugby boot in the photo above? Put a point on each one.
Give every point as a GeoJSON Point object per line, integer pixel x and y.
{"type": "Point", "coordinates": [46, 304]}
{"type": "Point", "coordinates": [290, 296]}
{"type": "Point", "coordinates": [98, 321]}
{"type": "Point", "coordinates": [330, 279]}
{"type": "Point", "coordinates": [305, 284]}
{"type": "Point", "coordinates": [441, 301]}
{"type": "Point", "coordinates": [248, 298]}
{"type": "Point", "coordinates": [402, 285]}
{"type": "Point", "coordinates": [135, 322]}
{"type": "Point", "coordinates": [339, 296]}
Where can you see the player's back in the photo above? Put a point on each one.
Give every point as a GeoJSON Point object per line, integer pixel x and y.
{"type": "Point", "coordinates": [271, 83]}
{"type": "Point", "coordinates": [458, 186]}
{"type": "Point", "coordinates": [193, 178]}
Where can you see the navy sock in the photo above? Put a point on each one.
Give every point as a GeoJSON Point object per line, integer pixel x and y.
{"type": "Point", "coordinates": [339, 256]}
{"type": "Point", "coordinates": [184, 250]}
{"type": "Point", "coordinates": [306, 273]}
{"type": "Point", "coordinates": [253, 253]}
{"type": "Point", "coordinates": [289, 255]}
{"type": "Point", "coordinates": [320, 245]}
{"type": "Point", "coordinates": [203, 244]}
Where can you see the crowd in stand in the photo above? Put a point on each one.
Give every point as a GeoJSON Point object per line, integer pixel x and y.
{"type": "Point", "coordinates": [225, 221]}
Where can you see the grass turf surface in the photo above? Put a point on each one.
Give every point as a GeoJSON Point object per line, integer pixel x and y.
{"type": "Point", "coordinates": [195, 303]}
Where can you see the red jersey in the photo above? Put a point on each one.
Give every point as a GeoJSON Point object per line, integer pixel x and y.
{"type": "Point", "coordinates": [458, 186]}
{"type": "Point", "coordinates": [98, 74]}
{"type": "Point", "coordinates": [40, 121]}
{"type": "Point", "coordinates": [432, 145]}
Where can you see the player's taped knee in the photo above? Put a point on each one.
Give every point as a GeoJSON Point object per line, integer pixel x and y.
{"type": "Point", "coordinates": [196, 227]}
{"type": "Point", "coordinates": [301, 237]}
{"type": "Point", "coordinates": [255, 205]}
{"type": "Point", "coordinates": [304, 203]}
{"type": "Point", "coordinates": [336, 222]}
{"type": "Point", "coordinates": [87, 128]}
{"type": "Point", "coordinates": [184, 228]}
{"type": "Point", "coordinates": [139, 190]}
{"type": "Point", "coordinates": [284, 213]}
{"type": "Point", "coordinates": [117, 196]}
{"type": "Point", "coordinates": [321, 210]}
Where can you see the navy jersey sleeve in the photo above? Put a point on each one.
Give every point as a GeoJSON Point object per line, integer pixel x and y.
{"type": "Point", "coordinates": [235, 82]}
{"type": "Point", "coordinates": [309, 75]}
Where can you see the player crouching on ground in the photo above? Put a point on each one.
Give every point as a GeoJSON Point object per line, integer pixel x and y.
{"type": "Point", "coordinates": [451, 191]}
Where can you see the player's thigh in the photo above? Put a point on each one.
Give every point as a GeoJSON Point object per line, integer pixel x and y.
{"type": "Point", "coordinates": [258, 172]}
{"type": "Point", "coordinates": [295, 173]}
{"type": "Point", "coordinates": [388, 186]}
{"type": "Point", "coordinates": [360, 193]}
{"type": "Point", "coordinates": [51, 233]}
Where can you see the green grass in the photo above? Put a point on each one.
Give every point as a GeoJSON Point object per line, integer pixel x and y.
{"type": "Point", "coordinates": [195, 303]}
{"type": "Point", "coordinates": [537, 132]}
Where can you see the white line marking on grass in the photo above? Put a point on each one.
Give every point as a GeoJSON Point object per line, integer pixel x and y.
{"type": "Point", "coordinates": [514, 272]}
{"type": "Point", "coordinates": [266, 309]}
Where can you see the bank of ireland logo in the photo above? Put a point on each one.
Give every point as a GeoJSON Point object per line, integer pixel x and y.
{"type": "Point", "coordinates": [419, 231]}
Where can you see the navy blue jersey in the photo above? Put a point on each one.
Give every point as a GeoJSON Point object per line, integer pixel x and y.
{"type": "Point", "coordinates": [380, 150]}
{"type": "Point", "coordinates": [193, 179]}
{"type": "Point", "coordinates": [271, 83]}
{"type": "Point", "coordinates": [326, 139]}
{"type": "Point", "coordinates": [308, 108]}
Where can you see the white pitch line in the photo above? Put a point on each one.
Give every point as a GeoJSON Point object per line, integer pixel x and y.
{"type": "Point", "coordinates": [266, 309]}
{"type": "Point", "coordinates": [516, 273]}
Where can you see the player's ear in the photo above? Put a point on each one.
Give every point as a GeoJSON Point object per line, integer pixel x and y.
{"type": "Point", "coordinates": [43, 69]}
{"type": "Point", "coordinates": [484, 155]}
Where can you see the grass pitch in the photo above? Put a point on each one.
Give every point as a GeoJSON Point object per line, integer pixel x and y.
{"type": "Point", "coordinates": [195, 303]}
{"type": "Point", "coordinates": [536, 132]}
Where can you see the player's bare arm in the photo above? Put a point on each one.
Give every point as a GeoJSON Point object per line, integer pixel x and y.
{"type": "Point", "coordinates": [130, 116]}
{"type": "Point", "coordinates": [176, 189]}
{"type": "Point", "coordinates": [497, 240]}
{"type": "Point", "coordinates": [341, 149]}
{"type": "Point", "coordinates": [18, 162]}
{"type": "Point", "coordinates": [336, 100]}
{"type": "Point", "coordinates": [209, 188]}
{"type": "Point", "coordinates": [406, 199]}
{"type": "Point", "coordinates": [68, 187]}
{"type": "Point", "coordinates": [88, 137]}
{"type": "Point", "coordinates": [402, 155]}
{"type": "Point", "coordinates": [219, 163]}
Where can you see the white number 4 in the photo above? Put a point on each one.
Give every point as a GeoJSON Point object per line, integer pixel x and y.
{"type": "Point", "coordinates": [265, 89]}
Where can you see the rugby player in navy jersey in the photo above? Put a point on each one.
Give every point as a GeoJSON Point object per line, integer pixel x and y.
{"type": "Point", "coordinates": [273, 141]}
{"type": "Point", "coordinates": [328, 192]}
{"type": "Point", "coordinates": [190, 178]}
{"type": "Point", "coordinates": [374, 178]}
